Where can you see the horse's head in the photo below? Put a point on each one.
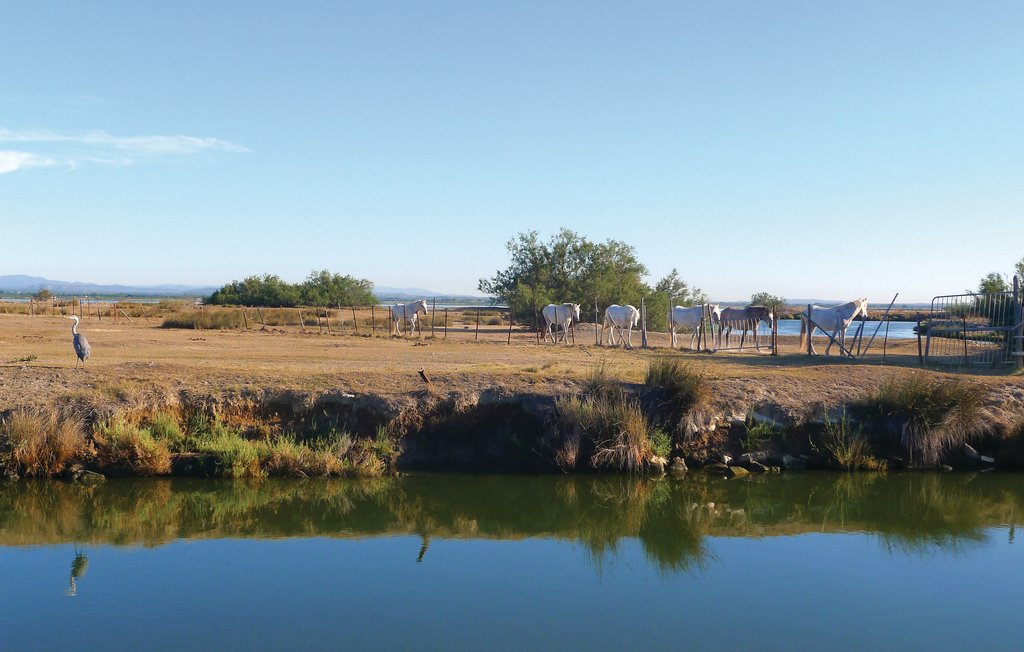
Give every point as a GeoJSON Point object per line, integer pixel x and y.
{"type": "Point", "coordinates": [421, 306]}
{"type": "Point", "coordinates": [862, 307]}
{"type": "Point", "coordinates": [716, 312]}
{"type": "Point", "coordinates": [575, 311]}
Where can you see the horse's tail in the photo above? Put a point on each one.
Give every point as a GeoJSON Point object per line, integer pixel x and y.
{"type": "Point", "coordinates": [803, 330]}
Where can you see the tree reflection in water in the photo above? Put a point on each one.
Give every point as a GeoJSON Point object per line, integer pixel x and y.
{"type": "Point", "coordinates": [671, 519]}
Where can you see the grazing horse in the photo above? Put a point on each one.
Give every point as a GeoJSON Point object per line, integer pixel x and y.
{"type": "Point", "coordinates": [621, 317]}
{"type": "Point", "coordinates": [833, 321]}
{"type": "Point", "coordinates": [692, 316]}
{"type": "Point", "coordinates": [407, 312]}
{"type": "Point", "coordinates": [745, 318]}
{"type": "Point", "coordinates": [560, 315]}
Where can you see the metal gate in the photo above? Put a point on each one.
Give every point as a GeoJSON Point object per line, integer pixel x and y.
{"type": "Point", "coordinates": [965, 329]}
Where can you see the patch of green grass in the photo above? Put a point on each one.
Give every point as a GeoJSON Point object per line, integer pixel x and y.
{"type": "Point", "coordinates": [846, 444]}
{"type": "Point", "coordinates": [122, 445]}
{"type": "Point", "coordinates": [758, 434]}
{"type": "Point", "coordinates": [26, 358]}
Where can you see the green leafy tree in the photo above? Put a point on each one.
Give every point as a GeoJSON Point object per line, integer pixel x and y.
{"type": "Point", "coordinates": [681, 293]}
{"type": "Point", "coordinates": [566, 268]}
{"type": "Point", "coordinates": [993, 282]}
{"type": "Point", "coordinates": [766, 299]}
{"type": "Point", "coordinates": [322, 288]}
{"type": "Point", "coordinates": [42, 295]}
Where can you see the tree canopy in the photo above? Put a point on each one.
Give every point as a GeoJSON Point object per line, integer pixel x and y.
{"type": "Point", "coordinates": [321, 288]}
{"type": "Point", "coordinates": [566, 268]}
{"type": "Point", "coordinates": [993, 282]}
{"type": "Point", "coordinates": [766, 299]}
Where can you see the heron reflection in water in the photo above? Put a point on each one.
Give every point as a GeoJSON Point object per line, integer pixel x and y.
{"type": "Point", "coordinates": [423, 547]}
{"type": "Point", "coordinates": [78, 567]}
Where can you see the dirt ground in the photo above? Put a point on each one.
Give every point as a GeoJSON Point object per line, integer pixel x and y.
{"type": "Point", "coordinates": [130, 361]}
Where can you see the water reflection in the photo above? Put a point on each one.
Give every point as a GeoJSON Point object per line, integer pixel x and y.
{"type": "Point", "coordinates": [671, 518]}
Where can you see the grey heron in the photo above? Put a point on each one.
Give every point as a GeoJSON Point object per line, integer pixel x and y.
{"type": "Point", "coordinates": [82, 348]}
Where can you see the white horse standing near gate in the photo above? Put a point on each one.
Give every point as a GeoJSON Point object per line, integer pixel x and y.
{"type": "Point", "coordinates": [746, 319]}
{"type": "Point", "coordinates": [833, 321]}
{"type": "Point", "coordinates": [556, 315]}
{"type": "Point", "coordinates": [621, 317]}
{"type": "Point", "coordinates": [407, 312]}
{"type": "Point", "coordinates": [693, 316]}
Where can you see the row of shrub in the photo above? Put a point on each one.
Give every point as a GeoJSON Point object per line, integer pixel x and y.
{"type": "Point", "coordinates": [47, 442]}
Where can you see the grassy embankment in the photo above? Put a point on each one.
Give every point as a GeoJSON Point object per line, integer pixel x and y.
{"type": "Point", "coordinates": [599, 407]}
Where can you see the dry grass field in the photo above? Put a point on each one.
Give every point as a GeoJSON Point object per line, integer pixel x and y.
{"type": "Point", "coordinates": [134, 360]}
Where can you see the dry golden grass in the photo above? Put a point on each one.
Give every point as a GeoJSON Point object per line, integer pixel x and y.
{"type": "Point", "coordinates": [41, 442]}
{"type": "Point", "coordinates": [139, 363]}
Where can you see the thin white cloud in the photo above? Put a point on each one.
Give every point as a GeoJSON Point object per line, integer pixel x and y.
{"type": "Point", "coordinates": [101, 147]}
{"type": "Point", "coordinates": [11, 161]}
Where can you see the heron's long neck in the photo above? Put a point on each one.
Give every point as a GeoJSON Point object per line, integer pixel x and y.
{"type": "Point", "coordinates": [74, 328]}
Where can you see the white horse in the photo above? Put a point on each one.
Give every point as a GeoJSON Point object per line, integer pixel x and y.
{"type": "Point", "coordinates": [560, 315]}
{"type": "Point", "coordinates": [621, 317]}
{"type": "Point", "coordinates": [833, 321]}
{"type": "Point", "coordinates": [746, 319]}
{"type": "Point", "coordinates": [407, 312]}
{"type": "Point", "coordinates": [692, 316]}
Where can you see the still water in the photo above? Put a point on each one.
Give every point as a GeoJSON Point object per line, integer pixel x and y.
{"type": "Point", "coordinates": [898, 330]}
{"type": "Point", "coordinates": [508, 562]}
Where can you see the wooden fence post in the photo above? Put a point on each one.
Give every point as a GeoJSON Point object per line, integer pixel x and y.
{"type": "Point", "coordinates": [920, 354]}
{"type": "Point", "coordinates": [245, 320]}
{"type": "Point", "coordinates": [509, 326]}
{"type": "Point", "coordinates": [536, 323]}
{"type": "Point", "coordinates": [775, 331]}
{"type": "Point", "coordinates": [355, 320]}
{"type": "Point", "coordinates": [597, 332]}
{"type": "Point", "coordinates": [477, 337]}
{"type": "Point", "coordinates": [302, 322]}
{"type": "Point", "coordinates": [263, 321]}
{"type": "Point", "coordinates": [445, 323]}
{"type": "Point", "coordinates": [643, 323]}
{"type": "Point", "coordinates": [668, 324]}
{"type": "Point", "coordinates": [1018, 333]}
{"type": "Point", "coordinates": [965, 339]}
{"type": "Point", "coordinates": [810, 328]}
{"type": "Point", "coordinates": [433, 311]}
{"type": "Point", "coordinates": [373, 321]}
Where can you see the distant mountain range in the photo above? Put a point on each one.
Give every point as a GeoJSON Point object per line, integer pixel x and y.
{"type": "Point", "coordinates": [22, 284]}
{"type": "Point", "coordinates": [19, 283]}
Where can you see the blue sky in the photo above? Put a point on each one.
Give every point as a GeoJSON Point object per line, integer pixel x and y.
{"type": "Point", "coordinates": [804, 148]}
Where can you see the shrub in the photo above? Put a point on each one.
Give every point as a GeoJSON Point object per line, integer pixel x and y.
{"type": "Point", "coordinates": [120, 444]}
{"type": "Point", "coordinates": [928, 416]}
{"type": "Point", "coordinates": [41, 442]}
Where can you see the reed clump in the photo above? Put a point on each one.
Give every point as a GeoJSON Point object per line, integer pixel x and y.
{"type": "Point", "coordinates": [681, 391]}
{"type": "Point", "coordinates": [41, 442]}
{"type": "Point", "coordinates": [613, 428]}
{"type": "Point", "coordinates": [927, 416]}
